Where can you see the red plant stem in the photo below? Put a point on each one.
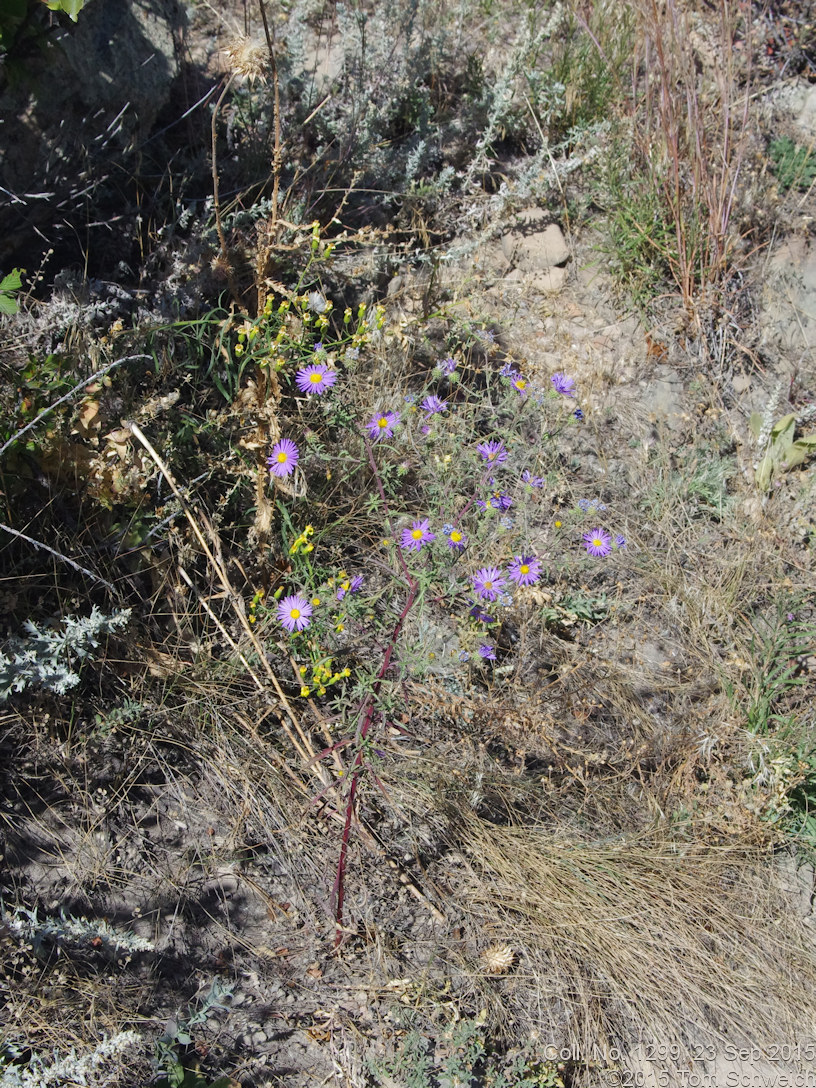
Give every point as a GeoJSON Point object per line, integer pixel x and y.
{"type": "Point", "coordinates": [369, 707]}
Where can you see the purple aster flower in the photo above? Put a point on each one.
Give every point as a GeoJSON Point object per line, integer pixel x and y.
{"type": "Point", "coordinates": [525, 570]}
{"type": "Point", "coordinates": [316, 378]}
{"type": "Point", "coordinates": [563, 385]}
{"type": "Point", "coordinates": [456, 539]}
{"type": "Point", "coordinates": [487, 652]}
{"type": "Point", "coordinates": [488, 583]}
{"type": "Point", "coordinates": [432, 405]}
{"type": "Point", "coordinates": [447, 366]}
{"type": "Point", "coordinates": [494, 452]}
{"type": "Point", "coordinates": [509, 371]}
{"type": "Point", "coordinates": [425, 429]}
{"type": "Point", "coordinates": [464, 655]}
{"type": "Point", "coordinates": [284, 457]}
{"type": "Point", "coordinates": [382, 425]}
{"type": "Point", "coordinates": [520, 385]}
{"type": "Point", "coordinates": [500, 502]}
{"type": "Point", "coordinates": [318, 348]}
{"type": "Point", "coordinates": [620, 541]}
{"type": "Point", "coordinates": [350, 586]}
{"type": "Point", "coordinates": [579, 415]}
{"type": "Point", "coordinates": [294, 612]}
{"type": "Point", "coordinates": [479, 614]}
{"type": "Point", "coordinates": [417, 535]}
{"type": "Point", "coordinates": [598, 542]}
{"type": "Point", "coordinates": [534, 481]}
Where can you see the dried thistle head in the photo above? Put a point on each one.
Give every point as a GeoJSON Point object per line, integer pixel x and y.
{"type": "Point", "coordinates": [248, 58]}
{"type": "Point", "coordinates": [498, 959]}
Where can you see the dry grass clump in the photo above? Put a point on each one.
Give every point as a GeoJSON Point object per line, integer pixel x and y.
{"type": "Point", "coordinates": [642, 937]}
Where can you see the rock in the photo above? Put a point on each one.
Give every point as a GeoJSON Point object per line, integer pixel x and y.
{"type": "Point", "coordinates": [551, 281]}
{"type": "Point", "coordinates": [534, 244]}
{"type": "Point", "coordinates": [89, 99]}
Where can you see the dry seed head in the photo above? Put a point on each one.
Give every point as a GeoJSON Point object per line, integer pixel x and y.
{"type": "Point", "coordinates": [498, 958]}
{"type": "Point", "coordinates": [248, 58]}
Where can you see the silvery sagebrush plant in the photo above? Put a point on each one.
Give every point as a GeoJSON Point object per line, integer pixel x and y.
{"type": "Point", "coordinates": [48, 659]}
{"type": "Point", "coordinates": [26, 926]}
{"type": "Point", "coordinates": [101, 1066]}
{"type": "Point", "coordinates": [454, 536]}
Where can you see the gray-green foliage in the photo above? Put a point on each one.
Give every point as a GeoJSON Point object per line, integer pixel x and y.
{"type": "Point", "coordinates": [25, 925]}
{"type": "Point", "coordinates": [47, 659]}
{"type": "Point", "coordinates": [460, 1058]}
{"type": "Point", "coordinates": [179, 1035]}
{"type": "Point", "coordinates": [102, 1065]}
{"type": "Point", "coordinates": [794, 165]}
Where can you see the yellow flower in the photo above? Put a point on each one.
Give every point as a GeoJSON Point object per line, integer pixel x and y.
{"type": "Point", "coordinates": [558, 524]}
{"type": "Point", "coordinates": [346, 671]}
{"type": "Point", "coordinates": [340, 627]}
{"type": "Point", "coordinates": [239, 349]}
{"type": "Point", "coordinates": [302, 670]}
{"type": "Point", "coordinates": [304, 691]}
{"type": "Point", "coordinates": [315, 601]}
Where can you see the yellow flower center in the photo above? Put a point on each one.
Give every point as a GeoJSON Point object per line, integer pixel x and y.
{"type": "Point", "coordinates": [521, 383]}
{"type": "Point", "coordinates": [456, 536]}
{"type": "Point", "coordinates": [416, 534]}
{"type": "Point", "coordinates": [597, 542]}
{"type": "Point", "coordinates": [315, 378]}
{"type": "Point", "coordinates": [382, 422]}
{"type": "Point", "coordinates": [491, 456]}
{"type": "Point", "coordinates": [524, 569]}
{"type": "Point", "coordinates": [488, 585]}
{"type": "Point", "coordinates": [558, 525]}
{"type": "Point", "coordinates": [295, 614]}
{"type": "Point", "coordinates": [283, 458]}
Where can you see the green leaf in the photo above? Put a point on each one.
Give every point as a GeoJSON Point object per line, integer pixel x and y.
{"type": "Point", "coordinates": [7, 305]}
{"type": "Point", "coordinates": [12, 281]}
{"type": "Point", "coordinates": [782, 431]}
{"type": "Point", "coordinates": [755, 424]}
{"type": "Point", "coordinates": [72, 8]}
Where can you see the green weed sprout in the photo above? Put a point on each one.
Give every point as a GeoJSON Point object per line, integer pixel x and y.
{"type": "Point", "coordinates": [179, 1035]}
{"type": "Point", "coordinates": [780, 450]}
{"type": "Point", "coordinates": [9, 286]}
{"type": "Point", "coordinates": [794, 165]}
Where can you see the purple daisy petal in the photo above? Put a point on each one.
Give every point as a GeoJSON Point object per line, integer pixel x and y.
{"type": "Point", "coordinates": [525, 570]}
{"type": "Point", "coordinates": [432, 405]}
{"type": "Point", "coordinates": [382, 425]}
{"type": "Point", "coordinates": [598, 542]}
{"type": "Point", "coordinates": [488, 583]}
{"type": "Point", "coordinates": [563, 384]}
{"type": "Point", "coordinates": [284, 457]}
{"type": "Point", "coordinates": [494, 452]}
{"type": "Point", "coordinates": [294, 612]}
{"type": "Point", "coordinates": [419, 534]}
{"type": "Point", "coordinates": [487, 652]}
{"type": "Point", "coordinates": [316, 378]}
{"type": "Point", "coordinates": [479, 614]}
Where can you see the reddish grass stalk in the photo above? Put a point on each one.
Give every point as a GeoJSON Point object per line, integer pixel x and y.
{"type": "Point", "coordinates": [701, 152]}
{"type": "Point", "coordinates": [367, 711]}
